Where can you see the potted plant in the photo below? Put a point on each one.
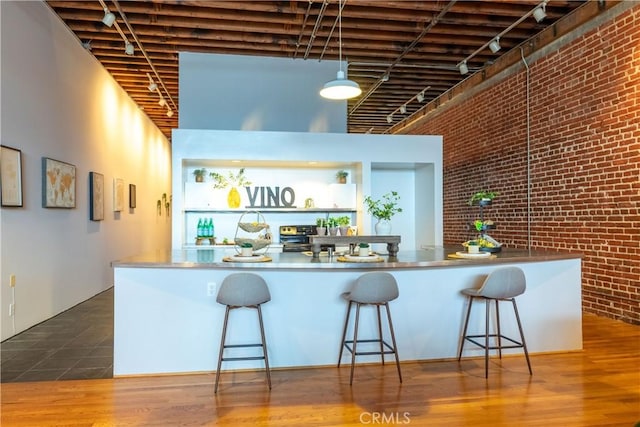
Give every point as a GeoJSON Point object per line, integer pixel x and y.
{"type": "Point", "coordinates": [383, 209]}
{"type": "Point", "coordinates": [231, 180]}
{"type": "Point", "coordinates": [343, 224]}
{"type": "Point", "coordinates": [341, 176]}
{"type": "Point", "coordinates": [363, 249]}
{"type": "Point", "coordinates": [332, 225]}
{"type": "Point", "coordinates": [199, 174]}
{"type": "Point", "coordinates": [483, 197]}
{"type": "Point", "coordinates": [473, 247]}
{"type": "Point", "coordinates": [321, 226]}
{"type": "Point", "coordinates": [246, 249]}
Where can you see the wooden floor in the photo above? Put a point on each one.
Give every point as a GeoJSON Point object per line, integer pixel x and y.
{"type": "Point", "coordinates": [599, 386]}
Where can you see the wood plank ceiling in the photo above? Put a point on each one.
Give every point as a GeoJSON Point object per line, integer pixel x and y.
{"type": "Point", "coordinates": [395, 49]}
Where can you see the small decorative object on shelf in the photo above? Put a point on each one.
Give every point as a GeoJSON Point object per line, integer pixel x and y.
{"type": "Point", "coordinates": [343, 224]}
{"type": "Point", "coordinates": [383, 209]}
{"type": "Point", "coordinates": [341, 176]}
{"type": "Point", "coordinates": [332, 225]}
{"type": "Point", "coordinates": [200, 174]}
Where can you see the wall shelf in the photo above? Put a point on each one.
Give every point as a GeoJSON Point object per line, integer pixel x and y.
{"type": "Point", "coordinates": [271, 210]}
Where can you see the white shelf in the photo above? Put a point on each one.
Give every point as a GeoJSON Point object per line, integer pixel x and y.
{"type": "Point", "coordinates": [270, 210]}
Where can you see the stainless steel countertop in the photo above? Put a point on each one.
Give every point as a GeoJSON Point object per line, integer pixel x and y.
{"type": "Point", "coordinates": [425, 258]}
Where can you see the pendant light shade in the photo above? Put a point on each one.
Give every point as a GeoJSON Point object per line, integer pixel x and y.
{"type": "Point", "coordinates": [341, 88]}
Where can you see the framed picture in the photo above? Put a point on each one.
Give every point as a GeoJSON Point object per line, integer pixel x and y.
{"type": "Point", "coordinates": [58, 184]}
{"type": "Point", "coordinates": [96, 196]}
{"type": "Point", "coordinates": [132, 196]}
{"type": "Point", "coordinates": [118, 194]}
{"type": "Point", "coordinates": [10, 176]}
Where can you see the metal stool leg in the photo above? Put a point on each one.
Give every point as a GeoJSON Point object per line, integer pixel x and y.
{"type": "Point", "coordinates": [393, 340]}
{"type": "Point", "coordinates": [524, 344]}
{"type": "Point", "coordinates": [222, 341]}
{"type": "Point", "coordinates": [264, 346]}
{"type": "Point", "coordinates": [355, 343]}
{"type": "Point", "coordinates": [499, 337]}
{"type": "Point", "coordinates": [464, 330]}
{"type": "Point", "coordinates": [344, 332]}
{"type": "Point", "coordinates": [487, 304]}
{"type": "Point", "coordinates": [380, 332]}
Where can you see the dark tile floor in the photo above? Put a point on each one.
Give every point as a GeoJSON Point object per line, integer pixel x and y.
{"type": "Point", "coordinates": [75, 344]}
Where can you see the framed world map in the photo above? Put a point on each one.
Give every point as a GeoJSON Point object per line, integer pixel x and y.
{"type": "Point", "coordinates": [58, 184]}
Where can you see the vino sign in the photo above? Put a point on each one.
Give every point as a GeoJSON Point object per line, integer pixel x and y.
{"type": "Point", "coordinates": [271, 197]}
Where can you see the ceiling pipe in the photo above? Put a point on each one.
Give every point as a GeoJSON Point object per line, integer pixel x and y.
{"type": "Point", "coordinates": [304, 25]}
{"type": "Point", "coordinates": [314, 32]}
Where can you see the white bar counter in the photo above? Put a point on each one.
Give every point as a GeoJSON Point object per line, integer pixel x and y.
{"type": "Point", "coordinates": [166, 319]}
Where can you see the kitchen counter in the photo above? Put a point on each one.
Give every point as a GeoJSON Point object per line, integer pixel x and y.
{"type": "Point", "coordinates": [167, 320]}
{"type": "Point", "coordinates": [432, 257]}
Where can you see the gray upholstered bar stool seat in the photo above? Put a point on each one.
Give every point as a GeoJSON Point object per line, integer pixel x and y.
{"type": "Point", "coordinates": [377, 289]}
{"type": "Point", "coordinates": [240, 290]}
{"type": "Point", "coordinates": [503, 284]}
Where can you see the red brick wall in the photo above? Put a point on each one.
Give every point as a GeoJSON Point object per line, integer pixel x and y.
{"type": "Point", "coordinates": [584, 163]}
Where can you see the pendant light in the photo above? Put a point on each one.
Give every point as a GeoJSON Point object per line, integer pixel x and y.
{"type": "Point", "coordinates": [341, 88]}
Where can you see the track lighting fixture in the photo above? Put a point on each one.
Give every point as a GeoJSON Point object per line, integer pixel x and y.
{"type": "Point", "coordinates": [403, 109]}
{"type": "Point", "coordinates": [495, 45]}
{"type": "Point", "coordinates": [463, 67]}
{"type": "Point", "coordinates": [109, 18]}
{"type": "Point", "coordinates": [539, 12]}
{"type": "Point", "coordinates": [341, 88]}
{"type": "Point", "coordinates": [162, 102]}
{"type": "Point", "coordinates": [169, 112]}
{"type": "Point", "coordinates": [420, 97]}
{"type": "Point", "coordinates": [152, 85]}
{"type": "Point", "coordinates": [128, 48]}
{"type": "Point", "coordinates": [389, 118]}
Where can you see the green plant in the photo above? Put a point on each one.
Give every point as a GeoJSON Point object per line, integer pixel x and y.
{"type": "Point", "coordinates": [343, 221]}
{"type": "Point", "coordinates": [384, 208]}
{"type": "Point", "coordinates": [321, 222]}
{"type": "Point", "coordinates": [472, 243]}
{"type": "Point", "coordinates": [246, 245]}
{"type": "Point", "coordinates": [482, 195]}
{"type": "Point", "coordinates": [231, 179]}
{"type": "Point", "coordinates": [342, 174]}
{"type": "Point", "coordinates": [200, 172]}
{"type": "Point", "coordinates": [332, 222]}
{"type": "Point", "coordinates": [363, 245]}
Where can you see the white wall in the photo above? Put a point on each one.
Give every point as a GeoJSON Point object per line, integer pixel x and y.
{"type": "Point", "coordinates": [59, 102]}
{"type": "Point", "coordinates": [235, 92]}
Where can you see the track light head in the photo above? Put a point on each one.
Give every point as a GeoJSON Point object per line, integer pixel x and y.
{"type": "Point", "coordinates": [162, 102]}
{"type": "Point", "coordinates": [169, 112]}
{"type": "Point", "coordinates": [464, 69]}
{"type": "Point", "coordinates": [128, 48]}
{"type": "Point", "coordinates": [539, 13]}
{"type": "Point", "coordinates": [403, 109]}
{"type": "Point", "coordinates": [109, 18]}
{"type": "Point", "coordinates": [152, 87]}
{"type": "Point", "coordinates": [420, 96]}
{"type": "Point", "coordinates": [385, 77]}
{"type": "Point", "coordinates": [495, 45]}
{"type": "Point", "coordinates": [389, 118]}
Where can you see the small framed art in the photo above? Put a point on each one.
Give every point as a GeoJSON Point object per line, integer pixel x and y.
{"type": "Point", "coordinates": [118, 194]}
{"type": "Point", "coordinates": [58, 184]}
{"type": "Point", "coordinates": [132, 196]}
{"type": "Point", "coordinates": [10, 176]}
{"type": "Point", "coordinates": [96, 196]}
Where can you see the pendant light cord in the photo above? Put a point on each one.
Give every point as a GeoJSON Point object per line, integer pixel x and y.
{"type": "Point", "coordinates": [340, 32]}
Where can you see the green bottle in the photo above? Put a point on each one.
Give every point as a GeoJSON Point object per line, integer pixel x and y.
{"type": "Point", "coordinates": [199, 233]}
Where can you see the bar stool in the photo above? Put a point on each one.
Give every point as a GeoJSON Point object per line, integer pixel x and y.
{"type": "Point", "coordinates": [377, 289]}
{"type": "Point", "coordinates": [239, 290]}
{"type": "Point", "coordinates": [503, 284]}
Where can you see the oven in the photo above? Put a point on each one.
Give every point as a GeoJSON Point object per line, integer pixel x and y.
{"type": "Point", "coordinates": [295, 238]}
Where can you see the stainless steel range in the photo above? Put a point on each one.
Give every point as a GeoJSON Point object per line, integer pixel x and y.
{"type": "Point", "coordinates": [295, 238]}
